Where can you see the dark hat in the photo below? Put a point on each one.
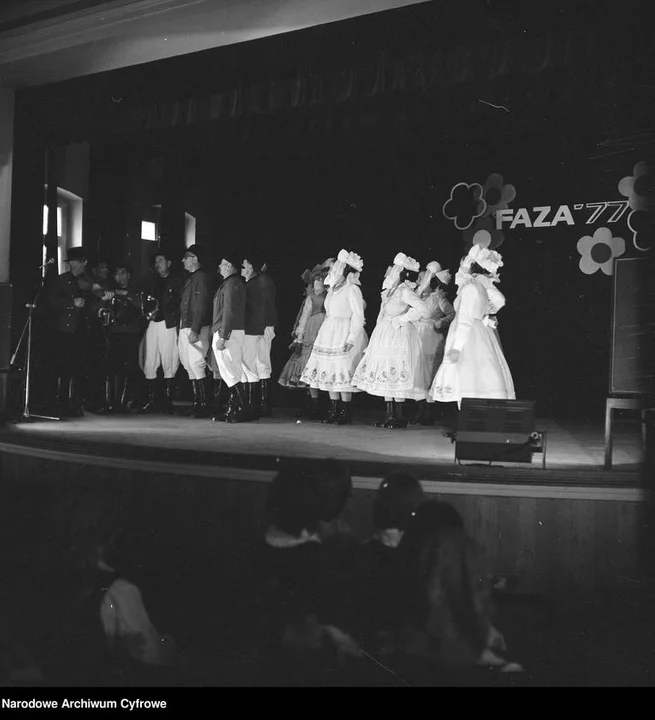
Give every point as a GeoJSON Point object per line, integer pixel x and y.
{"type": "Point", "coordinates": [255, 257]}
{"type": "Point", "coordinates": [198, 251]}
{"type": "Point", "coordinates": [232, 255]}
{"type": "Point", "coordinates": [75, 253]}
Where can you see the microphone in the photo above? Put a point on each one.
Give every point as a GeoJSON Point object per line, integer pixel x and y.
{"type": "Point", "coordinates": [52, 261]}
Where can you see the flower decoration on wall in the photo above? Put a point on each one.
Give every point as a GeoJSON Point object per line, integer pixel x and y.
{"type": "Point", "coordinates": [642, 225]}
{"type": "Point", "coordinates": [496, 194]}
{"type": "Point", "coordinates": [599, 251]}
{"type": "Point", "coordinates": [639, 188]}
{"type": "Point", "coordinates": [636, 187]}
{"type": "Point", "coordinates": [483, 232]}
{"type": "Point", "coordinates": [465, 204]}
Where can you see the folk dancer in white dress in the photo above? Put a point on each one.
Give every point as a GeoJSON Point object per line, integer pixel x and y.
{"type": "Point", "coordinates": [393, 366]}
{"type": "Point", "coordinates": [474, 365]}
{"type": "Point", "coordinates": [309, 322]}
{"type": "Point", "coordinates": [341, 339]}
{"type": "Point", "coordinates": [433, 329]}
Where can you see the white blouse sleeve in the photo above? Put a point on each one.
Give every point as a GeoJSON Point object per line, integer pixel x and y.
{"type": "Point", "coordinates": [357, 318]}
{"type": "Point", "coordinates": [466, 316]}
{"type": "Point", "coordinates": [496, 300]}
{"type": "Point", "coordinates": [305, 314]}
{"type": "Point", "coordinates": [417, 308]}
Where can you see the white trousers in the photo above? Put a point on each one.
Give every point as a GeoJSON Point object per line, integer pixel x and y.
{"type": "Point", "coordinates": [193, 356]}
{"type": "Point", "coordinates": [257, 355]}
{"type": "Point", "coordinates": [160, 350]}
{"type": "Point", "coordinates": [229, 359]}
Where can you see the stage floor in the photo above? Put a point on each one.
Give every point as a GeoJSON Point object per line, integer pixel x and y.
{"type": "Point", "coordinates": [575, 452]}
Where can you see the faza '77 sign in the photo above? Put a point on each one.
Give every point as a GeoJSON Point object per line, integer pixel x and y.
{"type": "Point", "coordinates": [542, 216]}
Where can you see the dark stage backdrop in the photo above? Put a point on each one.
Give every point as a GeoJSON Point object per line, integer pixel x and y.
{"type": "Point", "coordinates": [371, 171]}
{"type": "Point", "coordinates": [556, 326]}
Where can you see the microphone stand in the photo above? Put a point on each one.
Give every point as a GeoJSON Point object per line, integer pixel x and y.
{"type": "Point", "coordinates": [26, 415]}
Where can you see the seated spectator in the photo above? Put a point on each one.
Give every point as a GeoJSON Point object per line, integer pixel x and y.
{"type": "Point", "coordinates": [447, 611]}
{"type": "Point", "coordinates": [378, 570]}
{"type": "Point", "coordinates": [304, 600]}
{"type": "Point", "coordinates": [108, 636]}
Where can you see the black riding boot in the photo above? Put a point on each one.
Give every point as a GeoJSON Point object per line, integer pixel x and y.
{"type": "Point", "coordinates": [108, 404]}
{"type": "Point", "coordinates": [239, 409]}
{"type": "Point", "coordinates": [151, 404]}
{"type": "Point", "coordinates": [218, 397]}
{"type": "Point", "coordinates": [334, 412]}
{"type": "Point", "coordinates": [265, 408]}
{"type": "Point", "coordinates": [384, 422]}
{"type": "Point", "coordinates": [74, 399]}
{"type": "Point", "coordinates": [196, 401]}
{"type": "Point", "coordinates": [201, 409]}
{"type": "Point", "coordinates": [228, 409]}
{"type": "Point", "coordinates": [253, 400]}
{"type": "Point", "coordinates": [120, 395]}
{"type": "Point", "coordinates": [61, 398]}
{"type": "Point", "coordinates": [168, 396]}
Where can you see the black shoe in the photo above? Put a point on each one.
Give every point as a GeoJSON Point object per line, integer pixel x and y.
{"type": "Point", "coordinates": [384, 422]}
{"type": "Point", "coordinates": [333, 414]}
{"type": "Point", "coordinates": [399, 421]}
{"type": "Point", "coordinates": [344, 417]}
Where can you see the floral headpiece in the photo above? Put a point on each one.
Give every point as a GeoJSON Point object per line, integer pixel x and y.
{"type": "Point", "coordinates": [433, 269]}
{"type": "Point", "coordinates": [344, 258]}
{"type": "Point", "coordinates": [489, 260]}
{"type": "Point", "coordinates": [400, 262]}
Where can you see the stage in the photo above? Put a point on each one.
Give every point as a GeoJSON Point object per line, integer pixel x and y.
{"type": "Point", "coordinates": [177, 480]}
{"type": "Point", "coordinates": [180, 445]}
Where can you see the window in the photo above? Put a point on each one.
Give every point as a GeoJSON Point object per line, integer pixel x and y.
{"type": "Point", "coordinates": [149, 231]}
{"type": "Point", "coordinates": [189, 229]}
{"type": "Point", "coordinates": [69, 224]}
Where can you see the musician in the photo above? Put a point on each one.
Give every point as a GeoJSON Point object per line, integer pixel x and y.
{"type": "Point", "coordinates": [96, 391]}
{"type": "Point", "coordinates": [70, 302]}
{"type": "Point", "coordinates": [261, 319]}
{"type": "Point", "coordinates": [195, 326]}
{"type": "Point", "coordinates": [125, 333]}
{"type": "Point", "coordinates": [160, 341]}
{"type": "Point", "coordinates": [228, 334]}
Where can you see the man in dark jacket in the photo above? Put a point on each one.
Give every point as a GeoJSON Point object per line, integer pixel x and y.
{"type": "Point", "coordinates": [195, 327]}
{"type": "Point", "coordinates": [260, 323]}
{"type": "Point", "coordinates": [228, 332]}
{"type": "Point", "coordinates": [125, 334]}
{"type": "Point", "coordinates": [160, 340]}
{"type": "Point", "coordinates": [70, 302]}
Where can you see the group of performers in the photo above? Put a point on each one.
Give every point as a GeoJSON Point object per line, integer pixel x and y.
{"type": "Point", "coordinates": [109, 341]}
{"type": "Point", "coordinates": [422, 348]}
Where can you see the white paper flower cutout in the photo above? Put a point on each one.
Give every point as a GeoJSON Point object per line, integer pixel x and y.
{"type": "Point", "coordinates": [599, 251]}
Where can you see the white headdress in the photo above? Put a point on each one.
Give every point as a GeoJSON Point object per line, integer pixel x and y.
{"type": "Point", "coordinates": [433, 268]}
{"type": "Point", "coordinates": [489, 260]}
{"type": "Point", "coordinates": [400, 262]}
{"type": "Point", "coordinates": [344, 258]}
